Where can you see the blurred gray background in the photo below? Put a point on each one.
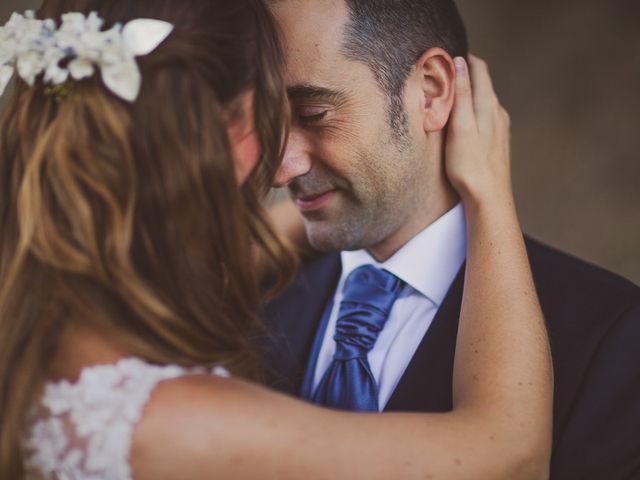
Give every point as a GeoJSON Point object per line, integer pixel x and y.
{"type": "Point", "coordinates": [568, 71]}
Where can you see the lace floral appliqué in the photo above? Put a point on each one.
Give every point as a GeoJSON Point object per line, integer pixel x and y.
{"type": "Point", "coordinates": [87, 427]}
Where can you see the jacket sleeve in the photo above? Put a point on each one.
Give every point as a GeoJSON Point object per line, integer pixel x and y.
{"type": "Point", "coordinates": [601, 439]}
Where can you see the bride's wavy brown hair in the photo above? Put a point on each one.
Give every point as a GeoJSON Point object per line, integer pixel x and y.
{"type": "Point", "coordinates": [128, 216]}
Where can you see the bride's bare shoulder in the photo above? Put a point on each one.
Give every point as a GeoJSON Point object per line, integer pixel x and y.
{"type": "Point", "coordinates": [197, 423]}
{"type": "Point", "coordinates": [188, 419]}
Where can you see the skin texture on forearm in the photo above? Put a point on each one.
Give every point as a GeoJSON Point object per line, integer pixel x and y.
{"type": "Point", "coordinates": [503, 363]}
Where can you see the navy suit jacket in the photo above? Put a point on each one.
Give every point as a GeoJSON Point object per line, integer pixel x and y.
{"type": "Point", "coordinates": [593, 319]}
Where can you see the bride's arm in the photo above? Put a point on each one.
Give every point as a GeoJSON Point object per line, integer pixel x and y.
{"type": "Point", "coordinates": [500, 300]}
{"type": "Point", "coordinates": [500, 426]}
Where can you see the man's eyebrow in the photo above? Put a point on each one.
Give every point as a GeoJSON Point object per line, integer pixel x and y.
{"type": "Point", "coordinates": [313, 92]}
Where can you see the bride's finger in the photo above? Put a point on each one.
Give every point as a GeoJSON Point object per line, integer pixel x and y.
{"type": "Point", "coordinates": [463, 116]}
{"type": "Point", "coordinates": [484, 97]}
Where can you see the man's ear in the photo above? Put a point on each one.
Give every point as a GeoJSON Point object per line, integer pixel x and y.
{"type": "Point", "coordinates": [436, 74]}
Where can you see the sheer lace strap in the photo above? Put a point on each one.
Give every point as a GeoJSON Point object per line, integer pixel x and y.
{"type": "Point", "coordinates": [85, 429]}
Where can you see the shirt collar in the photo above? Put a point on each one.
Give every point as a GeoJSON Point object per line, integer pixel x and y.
{"type": "Point", "coordinates": [429, 262]}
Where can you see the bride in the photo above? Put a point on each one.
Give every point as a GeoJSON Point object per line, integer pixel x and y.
{"type": "Point", "coordinates": [134, 154]}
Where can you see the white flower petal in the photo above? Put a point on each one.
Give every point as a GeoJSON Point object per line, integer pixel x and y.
{"type": "Point", "coordinates": [6, 55]}
{"type": "Point", "coordinates": [15, 19]}
{"type": "Point", "coordinates": [142, 36]}
{"type": "Point", "coordinates": [80, 69]}
{"type": "Point", "coordinates": [92, 40]}
{"type": "Point", "coordinates": [54, 74]}
{"type": "Point", "coordinates": [73, 22]}
{"type": "Point", "coordinates": [66, 40]}
{"type": "Point", "coordinates": [49, 24]}
{"type": "Point", "coordinates": [94, 22]}
{"type": "Point", "coordinates": [29, 66]}
{"type": "Point", "coordinates": [123, 79]}
{"type": "Point", "coordinates": [6, 73]}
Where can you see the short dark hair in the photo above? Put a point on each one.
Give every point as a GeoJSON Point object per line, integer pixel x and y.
{"type": "Point", "coordinates": [390, 35]}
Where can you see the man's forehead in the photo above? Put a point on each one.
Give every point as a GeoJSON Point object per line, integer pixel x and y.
{"type": "Point", "coordinates": [313, 34]}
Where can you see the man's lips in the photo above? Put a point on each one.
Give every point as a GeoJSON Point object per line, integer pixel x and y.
{"type": "Point", "coordinates": [314, 202]}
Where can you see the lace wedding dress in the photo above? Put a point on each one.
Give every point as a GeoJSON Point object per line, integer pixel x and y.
{"type": "Point", "coordinates": [83, 431]}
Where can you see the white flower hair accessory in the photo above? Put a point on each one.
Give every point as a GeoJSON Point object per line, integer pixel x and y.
{"type": "Point", "coordinates": [30, 47]}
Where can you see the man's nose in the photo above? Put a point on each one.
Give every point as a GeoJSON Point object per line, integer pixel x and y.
{"type": "Point", "coordinates": [296, 161]}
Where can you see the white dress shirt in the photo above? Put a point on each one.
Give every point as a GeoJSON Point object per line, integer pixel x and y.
{"type": "Point", "coordinates": [428, 264]}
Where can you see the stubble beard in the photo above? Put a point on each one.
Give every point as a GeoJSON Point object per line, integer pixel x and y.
{"type": "Point", "coordinates": [366, 216]}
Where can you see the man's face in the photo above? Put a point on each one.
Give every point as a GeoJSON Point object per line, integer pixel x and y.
{"type": "Point", "coordinates": [350, 175]}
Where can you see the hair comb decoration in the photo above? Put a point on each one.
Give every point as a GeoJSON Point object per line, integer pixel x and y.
{"type": "Point", "coordinates": [32, 47]}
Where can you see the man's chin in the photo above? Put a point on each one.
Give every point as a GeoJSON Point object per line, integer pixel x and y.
{"type": "Point", "coordinates": [326, 236]}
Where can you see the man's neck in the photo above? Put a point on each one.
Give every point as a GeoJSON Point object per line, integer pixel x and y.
{"type": "Point", "coordinates": [415, 224]}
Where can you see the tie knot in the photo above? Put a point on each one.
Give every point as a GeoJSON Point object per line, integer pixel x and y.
{"type": "Point", "coordinates": [368, 296]}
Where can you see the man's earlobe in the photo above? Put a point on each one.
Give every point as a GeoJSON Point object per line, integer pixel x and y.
{"type": "Point", "coordinates": [437, 78]}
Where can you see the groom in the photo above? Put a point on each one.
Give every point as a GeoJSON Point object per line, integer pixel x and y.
{"type": "Point", "coordinates": [371, 88]}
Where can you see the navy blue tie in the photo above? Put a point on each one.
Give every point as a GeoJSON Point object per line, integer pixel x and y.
{"type": "Point", "coordinates": [348, 384]}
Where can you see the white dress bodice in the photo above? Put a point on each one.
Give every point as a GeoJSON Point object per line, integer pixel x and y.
{"type": "Point", "coordinates": [84, 430]}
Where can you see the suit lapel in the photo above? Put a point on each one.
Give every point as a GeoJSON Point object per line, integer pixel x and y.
{"type": "Point", "coordinates": [427, 382]}
{"type": "Point", "coordinates": [292, 320]}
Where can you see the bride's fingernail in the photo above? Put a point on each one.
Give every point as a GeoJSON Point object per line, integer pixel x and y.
{"type": "Point", "coordinates": [460, 64]}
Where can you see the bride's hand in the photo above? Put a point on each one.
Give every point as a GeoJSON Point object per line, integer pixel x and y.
{"type": "Point", "coordinates": [477, 150]}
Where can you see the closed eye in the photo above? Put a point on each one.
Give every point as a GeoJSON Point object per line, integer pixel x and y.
{"type": "Point", "coordinates": [310, 114]}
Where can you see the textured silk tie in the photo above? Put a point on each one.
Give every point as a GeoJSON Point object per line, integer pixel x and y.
{"type": "Point", "coordinates": [348, 384]}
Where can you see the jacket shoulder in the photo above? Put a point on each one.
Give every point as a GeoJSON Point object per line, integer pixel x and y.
{"type": "Point", "coordinates": [567, 280]}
